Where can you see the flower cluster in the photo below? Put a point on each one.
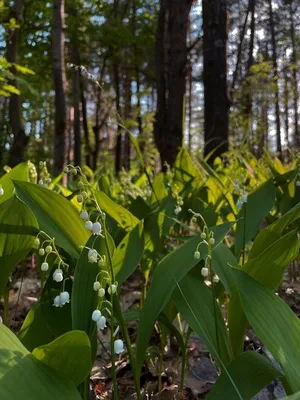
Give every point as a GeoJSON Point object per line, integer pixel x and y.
{"type": "Point", "coordinates": [44, 175]}
{"type": "Point", "coordinates": [242, 195]}
{"type": "Point", "coordinates": [46, 248]}
{"type": "Point", "coordinates": [179, 203]}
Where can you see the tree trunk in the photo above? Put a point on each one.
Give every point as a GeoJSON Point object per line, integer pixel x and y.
{"type": "Point", "coordinates": [286, 105]}
{"type": "Point", "coordinates": [75, 58]}
{"type": "Point", "coordinates": [216, 101]}
{"type": "Point", "coordinates": [127, 115]}
{"type": "Point", "coordinates": [295, 81]}
{"type": "Point", "coordinates": [275, 75]}
{"type": "Point", "coordinates": [20, 140]}
{"type": "Point", "coordinates": [59, 75]}
{"type": "Point", "coordinates": [171, 60]}
{"type": "Point", "coordinates": [118, 152]}
{"type": "Point", "coordinates": [85, 126]}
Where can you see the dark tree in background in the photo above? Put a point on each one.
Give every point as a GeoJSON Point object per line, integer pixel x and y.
{"type": "Point", "coordinates": [216, 101]}
{"type": "Point", "coordinates": [58, 49]}
{"type": "Point", "coordinates": [20, 140]}
{"type": "Point", "coordinates": [171, 62]}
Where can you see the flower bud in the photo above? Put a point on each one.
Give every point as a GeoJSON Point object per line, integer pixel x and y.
{"type": "Point", "coordinates": [118, 346]}
{"type": "Point", "coordinates": [239, 204]}
{"type": "Point", "coordinates": [48, 249]}
{"type": "Point", "coordinates": [101, 263]}
{"type": "Point", "coordinates": [41, 182]}
{"type": "Point", "coordinates": [96, 286]}
{"type": "Point", "coordinates": [84, 195]}
{"type": "Point", "coordinates": [88, 225]}
{"type": "Point", "coordinates": [64, 298]}
{"type": "Point", "coordinates": [79, 198]}
{"type": "Point", "coordinates": [194, 220]}
{"type": "Point", "coordinates": [204, 272]}
{"type": "Point", "coordinates": [96, 315]}
{"type": "Point", "coordinates": [66, 170]}
{"type": "Point", "coordinates": [101, 323]}
{"type": "Point", "coordinates": [92, 256]}
{"type": "Point", "coordinates": [36, 242]}
{"type": "Point", "coordinates": [45, 266]}
{"type": "Point", "coordinates": [101, 292]}
{"type": "Point", "coordinates": [97, 228]}
{"type": "Point", "coordinates": [203, 235]}
{"type": "Point", "coordinates": [297, 183]}
{"type": "Point", "coordinates": [216, 279]}
{"type": "Point", "coordinates": [177, 210]}
{"type": "Point", "coordinates": [41, 252]}
{"type": "Point", "coordinates": [80, 185]}
{"type": "Point", "coordinates": [211, 241]}
{"type": "Point", "coordinates": [197, 255]}
{"type": "Point", "coordinates": [74, 171]}
{"type": "Point", "coordinates": [84, 215]}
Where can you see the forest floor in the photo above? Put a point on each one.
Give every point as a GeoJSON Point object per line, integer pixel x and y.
{"type": "Point", "coordinates": [201, 372]}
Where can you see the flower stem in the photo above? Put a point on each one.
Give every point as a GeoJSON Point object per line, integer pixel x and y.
{"type": "Point", "coordinates": [184, 359]}
{"type": "Point", "coordinates": [213, 295]}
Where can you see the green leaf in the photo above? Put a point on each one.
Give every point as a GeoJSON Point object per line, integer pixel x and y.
{"type": "Point", "coordinates": [195, 303]}
{"type": "Point", "coordinates": [18, 227]}
{"type": "Point", "coordinates": [295, 396]}
{"type": "Point", "coordinates": [20, 172]}
{"type": "Point", "coordinates": [56, 216]}
{"type": "Point", "coordinates": [259, 204]}
{"type": "Point", "coordinates": [169, 271]}
{"type": "Point", "coordinates": [34, 331]}
{"type": "Point", "coordinates": [22, 376]}
{"type": "Point", "coordinates": [69, 355]}
{"type": "Point", "coordinates": [274, 323]}
{"type": "Point", "coordinates": [124, 218]}
{"type": "Point", "coordinates": [128, 254]}
{"type": "Point", "coordinates": [250, 372]}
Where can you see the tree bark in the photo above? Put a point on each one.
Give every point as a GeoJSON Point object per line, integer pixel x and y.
{"type": "Point", "coordinates": [216, 101]}
{"type": "Point", "coordinates": [275, 75]}
{"type": "Point", "coordinates": [127, 115]}
{"type": "Point", "coordinates": [59, 76]}
{"type": "Point", "coordinates": [85, 126]}
{"type": "Point", "coordinates": [295, 81]}
{"type": "Point", "coordinates": [118, 151]}
{"type": "Point", "coordinates": [20, 140]}
{"type": "Point", "coordinates": [171, 60]}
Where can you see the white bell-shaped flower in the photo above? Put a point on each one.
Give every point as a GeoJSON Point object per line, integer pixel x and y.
{"type": "Point", "coordinates": [41, 252]}
{"type": "Point", "coordinates": [58, 276]}
{"type": "Point", "coordinates": [244, 198]}
{"type": "Point", "coordinates": [1, 191]}
{"type": "Point", "coordinates": [88, 225]}
{"type": "Point", "coordinates": [97, 228]}
{"type": "Point", "coordinates": [92, 256]}
{"type": "Point", "coordinates": [56, 301]}
{"type": "Point", "coordinates": [84, 215]}
{"type": "Point", "coordinates": [96, 286]}
{"type": "Point", "coordinates": [101, 292]}
{"type": "Point", "coordinates": [101, 323]}
{"type": "Point", "coordinates": [45, 267]}
{"type": "Point", "coordinates": [216, 279]}
{"type": "Point", "coordinates": [112, 289]}
{"type": "Point", "coordinates": [204, 272]}
{"type": "Point", "coordinates": [297, 183]}
{"type": "Point", "coordinates": [118, 346]}
{"type": "Point", "coordinates": [96, 315]}
{"type": "Point", "coordinates": [36, 242]}
{"type": "Point", "coordinates": [64, 298]}
{"type": "Point", "coordinates": [197, 255]}
{"type": "Point", "coordinates": [177, 210]}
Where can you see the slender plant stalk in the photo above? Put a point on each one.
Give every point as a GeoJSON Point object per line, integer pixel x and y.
{"type": "Point", "coordinates": [112, 350]}
{"type": "Point", "coordinates": [213, 296]}
{"type": "Point", "coordinates": [244, 234]}
{"type": "Point", "coordinates": [184, 359]}
{"type": "Point", "coordinates": [160, 368]}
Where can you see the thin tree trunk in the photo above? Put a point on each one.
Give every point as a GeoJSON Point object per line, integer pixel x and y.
{"type": "Point", "coordinates": [295, 81]}
{"type": "Point", "coordinates": [59, 75]}
{"type": "Point", "coordinates": [275, 75]}
{"type": "Point", "coordinates": [127, 115]}
{"type": "Point", "coordinates": [216, 102]}
{"type": "Point", "coordinates": [75, 58]}
{"type": "Point", "coordinates": [118, 152]}
{"type": "Point", "coordinates": [286, 106]}
{"type": "Point", "coordinates": [171, 61]}
{"type": "Point", "coordinates": [20, 140]}
{"type": "Point", "coordinates": [85, 126]}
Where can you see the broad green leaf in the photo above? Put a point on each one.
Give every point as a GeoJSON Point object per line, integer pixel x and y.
{"type": "Point", "coordinates": [69, 355]}
{"type": "Point", "coordinates": [34, 331]}
{"type": "Point", "coordinates": [249, 373]}
{"type": "Point", "coordinates": [56, 216]}
{"type": "Point", "coordinates": [258, 205]}
{"type": "Point", "coordinates": [128, 254]}
{"type": "Point", "coordinates": [124, 218]}
{"type": "Point", "coordinates": [274, 231]}
{"type": "Point", "coordinates": [267, 268]}
{"type": "Point", "coordinates": [274, 323]}
{"type": "Point", "coordinates": [20, 172]}
{"type": "Point", "coordinates": [185, 170]}
{"type": "Point", "coordinates": [139, 208]}
{"type": "Point", "coordinates": [22, 376]}
{"type": "Point", "coordinates": [169, 271]}
{"type": "Point", "coordinates": [18, 226]}
{"type": "Point", "coordinates": [295, 396]}
{"type": "Point", "coordinates": [195, 303]}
